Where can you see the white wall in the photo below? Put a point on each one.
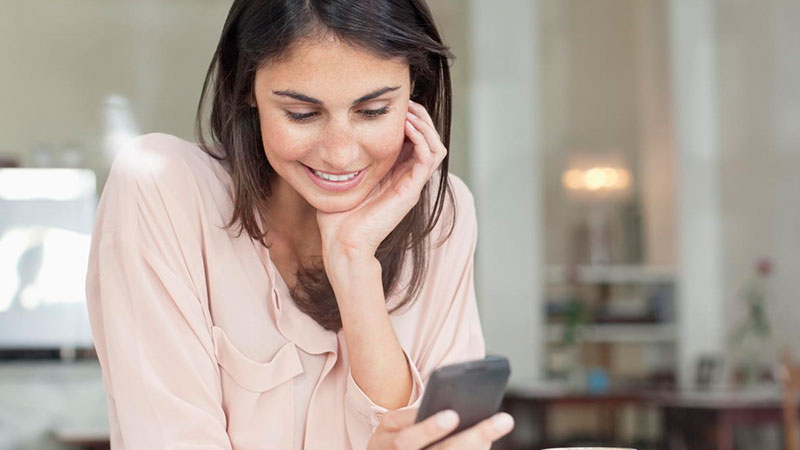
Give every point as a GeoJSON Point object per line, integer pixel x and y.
{"type": "Point", "coordinates": [694, 77]}
{"type": "Point", "coordinates": [506, 174]}
{"type": "Point", "coordinates": [589, 104]}
{"type": "Point", "coordinates": [62, 58]}
{"type": "Point", "coordinates": [759, 65]}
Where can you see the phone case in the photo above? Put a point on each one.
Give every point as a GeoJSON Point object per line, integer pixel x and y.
{"type": "Point", "coordinates": [473, 389]}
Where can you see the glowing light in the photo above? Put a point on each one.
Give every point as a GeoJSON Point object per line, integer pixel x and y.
{"type": "Point", "coordinates": [624, 179]}
{"type": "Point", "coordinates": [120, 124]}
{"type": "Point", "coordinates": [597, 179]}
{"type": "Point", "coordinates": [573, 179]}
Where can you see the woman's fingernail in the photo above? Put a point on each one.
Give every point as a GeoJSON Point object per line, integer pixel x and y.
{"type": "Point", "coordinates": [412, 115]}
{"type": "Point", "coordinates": [503, 422]}
{"type": "Point", "coordinates": [447, 419]}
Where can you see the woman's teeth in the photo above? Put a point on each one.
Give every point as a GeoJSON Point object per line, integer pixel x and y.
{"type": "Point", "coordinates": [329, 177]}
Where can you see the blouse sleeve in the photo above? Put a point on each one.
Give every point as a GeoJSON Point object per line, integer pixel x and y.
{"type": "Point", "coordinates": [150, 325]}
{"type": "Point", "coordinates": [447, 328]}
{"type": "Point", "coordinates": [455, 335]}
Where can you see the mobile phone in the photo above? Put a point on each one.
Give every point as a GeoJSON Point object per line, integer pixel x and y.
{"type": "Point", "coordinates": [473, 389]}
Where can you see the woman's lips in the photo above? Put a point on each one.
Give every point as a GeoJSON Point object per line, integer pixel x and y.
{"type": "Point", "coordinates": [335, 186]}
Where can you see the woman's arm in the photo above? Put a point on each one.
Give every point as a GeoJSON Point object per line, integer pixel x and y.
{"type": "Point", "coordinates": [377, 361]}
{"type": "Point", "coordinates": [149, 322]}
{"type": "Point", "coordinates": [349, 242]}
{"type": "Point", "coordinates": [452, 334]}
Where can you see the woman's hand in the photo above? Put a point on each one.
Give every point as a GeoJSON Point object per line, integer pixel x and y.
{"type": "Point", "coordinates": [398, 431]}
{"type": "Point", "coordinates": [357, 233]}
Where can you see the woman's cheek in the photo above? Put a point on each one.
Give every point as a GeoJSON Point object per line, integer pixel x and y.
{"type": "Point", "coordinates": [387, 141]}
{"type": "Point", "coordinates": [285, 141]}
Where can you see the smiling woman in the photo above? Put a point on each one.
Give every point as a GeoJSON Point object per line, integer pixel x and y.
{"type": "Point", "coordinates": [337, 110]}
{"type": "Point", "coordinates": [327, 144]}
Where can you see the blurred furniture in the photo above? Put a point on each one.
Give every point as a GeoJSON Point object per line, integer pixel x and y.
{"type": "Point", "coordinates": [534, 404]}
{"type": "Point", "coordinates": [7, 161]}
{"type": "Point", "coordinates": [43, 401]}
{"type": "Point", "coordinates": [46, 219]}
{"type": "Point", "coordinates": [707, 420]}
{"type": "Point", "coordinates": [696, 420]}
{"type": "Point", "coordinates": [83, 437]}
{"type": "Point", "coordinates": [627, 325]}
{"type": "Point", "coordinates": [709, 373]}
{"type": "Point", "coordinates": [791, 390]}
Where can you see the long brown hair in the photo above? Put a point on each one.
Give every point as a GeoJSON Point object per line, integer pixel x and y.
{"type": "Point", "coordinates": [257, 32]}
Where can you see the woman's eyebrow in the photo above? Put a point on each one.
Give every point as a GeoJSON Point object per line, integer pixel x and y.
{"type": "Point", "coordinates": [305, 98]}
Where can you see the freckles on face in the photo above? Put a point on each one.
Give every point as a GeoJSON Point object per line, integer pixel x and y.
{"type": "Point", "coordinates": [384, 142]}
{"type": "Point", "coordinates": [379, 141]}
{"type": "Point", "coordinates": [336, 109]}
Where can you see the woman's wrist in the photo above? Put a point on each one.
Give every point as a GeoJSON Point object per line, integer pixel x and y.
{"type": "Point", "coordinates": [352, 270]}
{"type": "Point", "coordinates": [334, 249]}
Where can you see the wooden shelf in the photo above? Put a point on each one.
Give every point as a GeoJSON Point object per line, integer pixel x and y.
{"type": "Point", "coordinates": [625, 333]}
{"type": "Point", "coordinates": [614, 274]}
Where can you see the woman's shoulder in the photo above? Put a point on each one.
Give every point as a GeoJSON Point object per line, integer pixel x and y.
{"type": "Point", "coordinates": [157, 175]}
{"type": "Point", "coordinates": [166, 160]}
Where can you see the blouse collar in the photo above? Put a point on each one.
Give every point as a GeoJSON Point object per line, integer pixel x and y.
{"type": "Point", "coordinates": [295, 325]}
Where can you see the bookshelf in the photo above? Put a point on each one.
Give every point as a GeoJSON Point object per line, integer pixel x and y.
{"type": "Point", "coordinates": [615, 318]}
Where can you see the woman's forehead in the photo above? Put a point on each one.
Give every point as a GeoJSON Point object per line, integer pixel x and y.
{"type": "Point", "coordinates": [331, 66]}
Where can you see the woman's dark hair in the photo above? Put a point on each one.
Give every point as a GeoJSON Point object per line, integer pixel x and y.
{"type": "Point", "coordinates": [257, 32]}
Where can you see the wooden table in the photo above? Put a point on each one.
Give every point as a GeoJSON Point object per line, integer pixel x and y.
{"type": "Point", "coordinates": [707, 420]}
{"type": "Point", "coordinates": [699, 420]}
{"type": "Point", "coordinates": [541, 398]}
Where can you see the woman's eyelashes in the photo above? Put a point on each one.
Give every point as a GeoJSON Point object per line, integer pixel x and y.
{"type": "Point", "coordinates": [375, 112]}
{"type": "Point", "coordinates": [367, 113]}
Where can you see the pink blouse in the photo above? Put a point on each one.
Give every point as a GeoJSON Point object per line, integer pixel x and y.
{"type": "Point", "coordinates": [200, 343]}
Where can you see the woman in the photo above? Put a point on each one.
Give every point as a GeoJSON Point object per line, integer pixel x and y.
{"type": "Point", "coordinates": [293, 280]}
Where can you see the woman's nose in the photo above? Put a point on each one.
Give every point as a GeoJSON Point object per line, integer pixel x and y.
{"type": "Point", "coordinates": [340, 146]}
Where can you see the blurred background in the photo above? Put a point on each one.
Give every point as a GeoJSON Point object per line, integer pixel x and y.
{"type": "Point", "coordinates": [634, 165]}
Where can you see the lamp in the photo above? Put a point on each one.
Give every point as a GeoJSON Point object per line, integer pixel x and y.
{"type": "Point", "coordinates": [599, 180]}
{"type": "Point", "coordinates": [597, 177]}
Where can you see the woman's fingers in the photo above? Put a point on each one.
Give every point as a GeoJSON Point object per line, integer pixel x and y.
{"type": "Point", "coordinates": [420, 156]}
{"type": "Point", "coordinates": [399, 432]}
{"type": "Point", "coordinates": [426, 432]}
{"type": "Point", "coordinates": [429, 131]}
{"type": "Point", "coordinates": [422, 152]}
{"type": "Point", "coordinates": [421, 120]}
{"type": "Point", "coordinates": [420, 111]}
{"type": "Point", "coordinates": [416, 133]}
{"type": "Point", "coordinates": [480, 435]}
{"type": "Point", "coordinates": [433, 151]}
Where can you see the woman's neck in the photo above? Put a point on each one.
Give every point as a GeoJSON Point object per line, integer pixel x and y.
{"type": "Point", "coordinates": [292, 218]}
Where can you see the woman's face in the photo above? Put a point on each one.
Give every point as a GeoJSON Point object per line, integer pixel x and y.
{"type": "Point", "coordinates": [328, 112]}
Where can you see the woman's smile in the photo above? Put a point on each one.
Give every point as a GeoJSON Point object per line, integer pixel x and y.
{"type": "Point", "coordinates": [335, 182]}
{"type": "Point", "coordinates": [346, 125]}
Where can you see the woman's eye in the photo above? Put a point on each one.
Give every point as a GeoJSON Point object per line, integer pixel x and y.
{"type": "Point", "coordinates": [300, 117]}
{"type": "Point", "coordinates": [370, 113]}
{"type": "Point", "coordinates": [304, 117]}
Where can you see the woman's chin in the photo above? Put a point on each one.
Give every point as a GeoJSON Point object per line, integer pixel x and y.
{"type": "Point", "coordinates": [339, 201]}
{"type": "Point", "coordinates": [336, 203]}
